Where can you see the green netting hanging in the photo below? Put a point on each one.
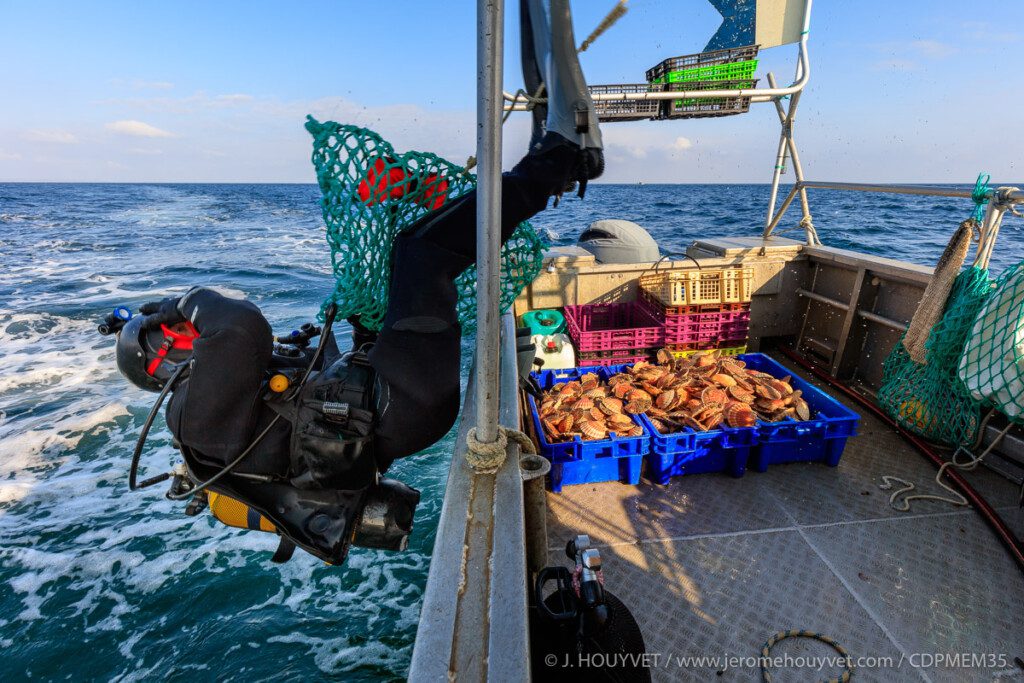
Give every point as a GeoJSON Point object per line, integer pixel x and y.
{"type": "Point", "coordinates": [370, 193]}
{"type": "Point", "coordinates": [992, 366]}
{"type": "Point", "coordinates": [929, 399]}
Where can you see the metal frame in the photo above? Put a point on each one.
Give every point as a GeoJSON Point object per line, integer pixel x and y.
{"type": "Point", "coordinates": [803, 74]}
{"type": "Point", "coordinates": [1003, 195]}
{"type": "Point", "coordinates": [787, 145]}
{"type": "Point", "coordinates": [473, 625]}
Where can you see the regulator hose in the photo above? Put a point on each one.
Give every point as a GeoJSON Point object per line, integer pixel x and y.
{"type": "Point", "coordinates": [133, 469]}
{"type": "Point", "coordinates": [991, 517]}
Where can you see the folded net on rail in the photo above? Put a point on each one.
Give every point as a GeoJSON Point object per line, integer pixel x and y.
{"type": "Point", "coordinates": [928, 398]}
{"type": "Point", "coordinates": [370, 194]}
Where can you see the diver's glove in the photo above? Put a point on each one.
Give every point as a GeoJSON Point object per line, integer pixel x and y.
{"type": "Point", "coordinates": [163, 312]}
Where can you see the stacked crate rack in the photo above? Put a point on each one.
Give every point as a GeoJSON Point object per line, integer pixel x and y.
{"type": "Point", "coordinates": [729, 69]}
{"type": "Point", "coordinates": [701, 309]}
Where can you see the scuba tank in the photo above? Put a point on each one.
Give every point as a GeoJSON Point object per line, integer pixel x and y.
{"type": "Point", "coordinates": [332, 495]}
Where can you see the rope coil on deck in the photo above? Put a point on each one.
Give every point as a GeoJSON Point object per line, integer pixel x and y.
{"type": "Point", "coordinates": [487, 458]}
{"type": "Point", "coordinates": [766, 675]}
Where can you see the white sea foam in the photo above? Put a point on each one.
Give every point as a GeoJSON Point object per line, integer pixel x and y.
{"type": "Point", "coordinates": [338, 654]}
{"type": "Point", "coordinates": [76, 548]}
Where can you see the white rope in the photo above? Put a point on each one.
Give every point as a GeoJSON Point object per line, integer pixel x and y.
{"type": "Point", "coordinates": [487, 458]}
{"type": "Point", "coordinates": [812, 232]}
{"type": "Point", "coordinates": [889, 481]}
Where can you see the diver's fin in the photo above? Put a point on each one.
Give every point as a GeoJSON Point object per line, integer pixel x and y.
{"type": "Point", "coordinates": [570, 111]}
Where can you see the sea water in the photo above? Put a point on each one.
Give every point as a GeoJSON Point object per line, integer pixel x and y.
{"type": "Point", "coordinates": [97, 582]}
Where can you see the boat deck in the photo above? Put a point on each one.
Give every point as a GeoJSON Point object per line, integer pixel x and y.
{"type": "Point", "coordinates": [711, 566]}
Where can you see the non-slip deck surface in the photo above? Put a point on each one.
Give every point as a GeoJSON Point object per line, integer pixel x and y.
{"type": "Point", "coordinates": [711, 566]}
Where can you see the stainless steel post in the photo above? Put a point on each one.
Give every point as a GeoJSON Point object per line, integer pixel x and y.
{"type": "Point", "coordinates": [489, 53]}
{"type": "Point", "coordinates": [786, 119]}
{"type": "Point", "coordinates": [803, 73]}
{"type": "Point", "coordinates": [534, 469]}
{"type": "Point", "coordinates": [780, 160]}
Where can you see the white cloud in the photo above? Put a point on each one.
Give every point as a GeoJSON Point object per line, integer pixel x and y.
{"type": "Point", "coordinates": [196, 102]}
{"type": "Point", "coordinates": [682, 143]}
{"type": "Point", "coordinates": [60, 137]}
{"type": "Point", "coordinates": [144, 151]}
{"type": "Point", "coordinates": [234, 98]}
{"type": "Point", "coordinates": [9, 156]}
{"type": "Point", "coordinates": [987, 32]}
{"type": "Point", "coordinates": [934, 49]}
{"type": "Point", "coordinates": [138, 129]}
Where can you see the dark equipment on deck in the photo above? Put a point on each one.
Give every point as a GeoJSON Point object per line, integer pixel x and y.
{"type": "Point", "coordinates": [580, 630]}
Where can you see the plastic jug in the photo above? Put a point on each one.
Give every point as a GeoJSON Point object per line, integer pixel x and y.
{"type": "Point", "coordinates": [556, 351]}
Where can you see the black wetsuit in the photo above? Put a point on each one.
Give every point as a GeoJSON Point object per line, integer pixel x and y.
{"type": "Point", "coordinates": [218, 410]}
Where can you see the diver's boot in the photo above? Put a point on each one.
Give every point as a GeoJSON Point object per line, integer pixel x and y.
{"type": "Point", "coordinates": [558, 164]}
{"type": "Point", "coordinates": [361, 335]}
{"type": "Point", "coordinates": [570, 123]}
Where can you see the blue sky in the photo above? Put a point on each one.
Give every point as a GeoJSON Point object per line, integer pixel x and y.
{"type": "Point", "coordinates": [901, 90]}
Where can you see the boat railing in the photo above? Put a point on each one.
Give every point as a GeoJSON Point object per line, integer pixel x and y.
{"type": "Point", "coordinates": [1001, 198]}
{"type": "Point", "coordinates": [473, 624]}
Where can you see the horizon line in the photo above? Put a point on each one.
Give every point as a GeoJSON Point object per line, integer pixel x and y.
{"type": "Point", "coordinates": [315, 184]}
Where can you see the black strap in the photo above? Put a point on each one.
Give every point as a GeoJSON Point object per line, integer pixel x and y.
{"type": "Point", "coordinates": [284, 552]}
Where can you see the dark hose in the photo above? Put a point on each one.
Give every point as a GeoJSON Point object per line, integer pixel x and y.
{"type": "Point", "coordinates": [133, 469]}
{"type": "Point", "coordinates": [991, 517]}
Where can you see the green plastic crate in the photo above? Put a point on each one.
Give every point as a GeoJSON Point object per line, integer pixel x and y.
{"type": "Point", "coordinates": [714, 85]}
{"type": "Point", "coordinates": [702, 60]}
{"type": "Point", "coordinates": [732, 71]}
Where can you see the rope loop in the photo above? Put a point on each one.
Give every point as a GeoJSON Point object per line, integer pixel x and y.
{"type": "Point", "coordinates": [980, 195]}
{"type": "Point", "coordinates": [487, 458]}
{"type": "Point", "coordinates": [808, 227]}
{"type": "Point", "coordinates": [766, 675]}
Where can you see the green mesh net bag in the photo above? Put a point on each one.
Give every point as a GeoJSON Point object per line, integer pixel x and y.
{"type": "Point", "coordinates": [992, 365]}
{"type": "Point", "coordinates": [929, 399]}
{"type": "Point", "coordinates": [370, 194]}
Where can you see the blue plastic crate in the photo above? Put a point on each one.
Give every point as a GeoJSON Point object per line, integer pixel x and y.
{"type": "Point", "coordinates": [820, 439]}
{"type": "Point", "coordinates": [693, 452]}
{"type": "Point", "coordinates": [617, 458]}
{"type": "Point", "coordinates": [729, 449]}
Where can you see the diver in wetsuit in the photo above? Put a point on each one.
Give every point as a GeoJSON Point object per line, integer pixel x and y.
{"type": "Point", "coordinates": [312, 472]}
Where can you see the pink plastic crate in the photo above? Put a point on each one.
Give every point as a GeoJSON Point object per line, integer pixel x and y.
{"type": "Point", "coordinates": [613, 327]}
{"type": "Point", "coordinates": [604, 362]}
{"type": "Point", "coordinates": [723, 323]}
{"type": "Point", "coordinates": [680, 329]}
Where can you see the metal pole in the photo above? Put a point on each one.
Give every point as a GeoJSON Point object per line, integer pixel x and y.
{"type": "Point", "coordinates": [490, 27]}
{"type": "Point", "coordinates": [780, 162]}
{"type": "Point", "coordinates": [798, 169]}
{"type": "Point", "coordinates": [535, 506]}
{"type": "Point", "coordinates": [1012, 196]}
{"type": "Point", "coordinates": [780, 213]}
{"type": "Point", "coordinates": [803, 74]}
